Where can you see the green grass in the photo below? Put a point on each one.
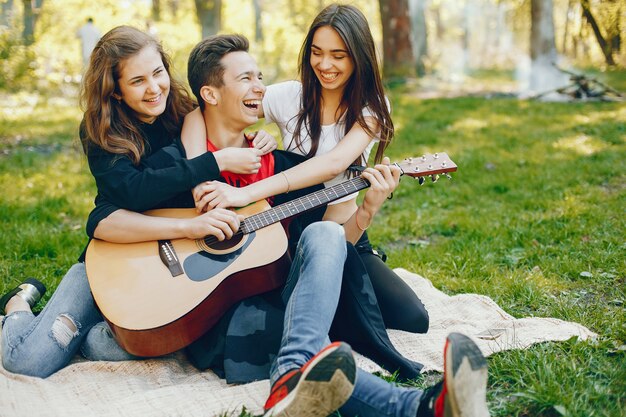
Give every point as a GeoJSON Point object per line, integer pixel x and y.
{"type": "Point", "coordinates": [534, 218]}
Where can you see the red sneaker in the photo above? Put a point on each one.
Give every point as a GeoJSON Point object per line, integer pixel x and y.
{"type": "Point", "coordinates": [463, 391]}
{"type": "Point", "coordinates": [318, 388]}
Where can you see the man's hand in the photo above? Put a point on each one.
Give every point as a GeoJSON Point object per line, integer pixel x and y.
{"type": "Point", "coordinates": [239, 160]}
{"type": "Point", "coordinates": [262, 141]}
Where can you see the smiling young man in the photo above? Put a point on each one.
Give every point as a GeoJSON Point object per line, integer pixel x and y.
{"type": "Point", "coordinates": [307, 378]}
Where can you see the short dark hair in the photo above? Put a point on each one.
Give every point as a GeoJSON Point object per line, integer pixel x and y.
{"type": "Point", "coordinates": [205, 67]}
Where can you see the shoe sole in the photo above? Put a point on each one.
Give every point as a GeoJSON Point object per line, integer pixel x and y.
{"type": "Point", "coordinates": [465, 368]}
{"type": "Point", "coordinates": [326, 384]}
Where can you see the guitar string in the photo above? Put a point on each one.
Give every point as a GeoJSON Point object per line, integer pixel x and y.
{"type": "Point", "coordinates": [299, 205]}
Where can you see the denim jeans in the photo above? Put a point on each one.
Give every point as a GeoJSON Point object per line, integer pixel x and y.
{"type": "Point", "coordinates": [41, 345]}
{"type": "Point", "coordinates": [311, 294]}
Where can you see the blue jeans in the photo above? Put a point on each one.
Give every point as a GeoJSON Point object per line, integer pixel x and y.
{"type": "Point", "coordinates": [41, 345]}
{"type": "Point", "coordinates": [311, 294]}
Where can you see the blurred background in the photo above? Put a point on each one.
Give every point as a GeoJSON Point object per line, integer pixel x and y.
{"type": "Point", "coordinates": [445, 47]}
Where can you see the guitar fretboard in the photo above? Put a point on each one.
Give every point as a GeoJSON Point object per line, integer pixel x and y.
{"type": "Point", "coordinates": [297, 206]}
{"type": "Point", "coordinates": [425, 165]}
{"type": "Point", "coordinates": [302, 204]}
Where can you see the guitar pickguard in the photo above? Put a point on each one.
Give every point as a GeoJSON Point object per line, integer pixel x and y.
{"type": "Point", "coordinates": [202, 265]}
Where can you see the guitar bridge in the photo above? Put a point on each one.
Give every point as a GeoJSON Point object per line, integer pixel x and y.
{"type": "Point", "coordinates": [169, 258]}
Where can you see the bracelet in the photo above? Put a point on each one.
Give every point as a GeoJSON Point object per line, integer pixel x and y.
{"type": "Point", "coordinates": [356, 220]}
{"type": "Point", "coordinates": [286, 179]}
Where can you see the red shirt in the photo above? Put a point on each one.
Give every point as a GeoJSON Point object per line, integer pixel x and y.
{"type": "Point", "coordinates": [241, 180]}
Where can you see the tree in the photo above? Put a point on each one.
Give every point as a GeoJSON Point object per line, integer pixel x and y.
{"type": "Point", "coordinates": [605, 46]}
{"type": "Point", "coordinates": [31, 13]}
{"type": "Point", "coordinates": [568, 12]}
{"type": "Point", "coordinates": [6, 14]}
{"type": "Point", "coordinates": [419, 34]}
{"type": "Point", "coordinates": [398, 59]}
{"type": "Point", "coordinates": [258, 22]}
{"type": "Point", "coordinates": [209, 14]}
{"type": "Point", "coordinates": [156, 10]}
{"type": "Point", "coordinates": [543, 74]}
{"type": "Point", "coordinates": [173, 6]}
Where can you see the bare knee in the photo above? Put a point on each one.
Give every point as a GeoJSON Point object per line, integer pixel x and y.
{"type": "Point", "coordinates": [64, 330]}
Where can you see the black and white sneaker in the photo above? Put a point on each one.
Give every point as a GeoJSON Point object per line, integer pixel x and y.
{"type": "Point", "coordinates": [463, 391]}
{"type": "Point", "coordinates": [318, 388]}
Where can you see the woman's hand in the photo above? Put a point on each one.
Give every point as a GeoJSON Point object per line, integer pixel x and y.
{"type": "Point", "coordinates": [211, 194]}
{"type": "Point", "coordinates": [383, 179]}
{"type": "Point", "coordinates": [262, 141]}
{"type": "Point", "coordinates": [220, 223]}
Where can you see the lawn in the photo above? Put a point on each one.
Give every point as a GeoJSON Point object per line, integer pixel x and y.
{"type": "Point", "coordinates": [534, 218]}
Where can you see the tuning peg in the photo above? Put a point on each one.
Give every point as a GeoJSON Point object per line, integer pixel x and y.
{"type": "Point", "coordinates": [434, 177]}
{"type": "Point", "coordinates": [421, 180]}
{"type": "Point", "coordinates": [448, 176]}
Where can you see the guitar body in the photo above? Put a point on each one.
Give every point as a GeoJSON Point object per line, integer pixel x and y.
{"type": "Point", "coordinates": [152, 312]}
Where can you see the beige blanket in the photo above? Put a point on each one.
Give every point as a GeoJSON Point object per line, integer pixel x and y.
{"type": "Point", "coordinates": [171, 387]}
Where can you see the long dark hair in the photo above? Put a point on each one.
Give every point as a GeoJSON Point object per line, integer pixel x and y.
{"type": "Point", "coordinates": [109, 123]}
{"type": "Point", "coordinates": [364, 88]}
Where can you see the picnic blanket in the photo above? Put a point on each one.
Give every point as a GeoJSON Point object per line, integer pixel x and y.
{"type": "Point", "coordinates": [170, 386]}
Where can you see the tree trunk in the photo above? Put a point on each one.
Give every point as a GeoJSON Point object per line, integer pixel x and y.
{"type": "Point", "coordinates": [543, 74]}
{"type": "Point", "coordinates": [570, 6]}
{"type": "Point", "coordinates": [156, 10]}
{"type": "Point", "coordinates": [616, 38]}
{"type": "Point", "coordinates": [31, 13]}
{"type": "Point", "coordinates": [397, 50]}
{"type": "Point", "coordinates": [173, 5]}
{"type": "Point", "coordinates": [209, 14]}
{"type": "Point", "coordinates": [258, 22]}
{"type": "Point", "coordinates": [605, 46]}
{"type": "Point", "coordinates": [6, 18]}
{"type": "Point", "coordinates": [419, 35]}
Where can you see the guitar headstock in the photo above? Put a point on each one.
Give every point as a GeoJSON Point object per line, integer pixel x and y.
{"type": "Point", "coordinates": [427, 165]}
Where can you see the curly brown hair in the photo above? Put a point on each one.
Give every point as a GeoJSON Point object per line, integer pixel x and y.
{"type": "Point", "coordinates": [109, 123]}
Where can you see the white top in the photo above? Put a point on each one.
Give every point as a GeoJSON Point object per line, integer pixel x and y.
{"type": "Point", "coordinates": [89, 36]}
{"type": "Point", "coordinates": [281, 105]}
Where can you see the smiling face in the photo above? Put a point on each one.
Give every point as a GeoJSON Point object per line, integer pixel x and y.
{"type": "Point", "coordinates": [241, 94]}
{"type": "Point", "coordinates": [144, 84]}
{"type": "Point", "coordinates": [330, 59]}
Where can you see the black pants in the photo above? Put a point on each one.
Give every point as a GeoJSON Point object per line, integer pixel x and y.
{"type": "Point", "coordinates": [401, 308]}
{"type": "Point", "coordinates": [359, 319]}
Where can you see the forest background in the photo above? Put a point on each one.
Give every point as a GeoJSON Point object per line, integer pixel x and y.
{"type": "Point", "coordinates": [534, 218]}
{"type": "Point", "coordinates": [451, 39]}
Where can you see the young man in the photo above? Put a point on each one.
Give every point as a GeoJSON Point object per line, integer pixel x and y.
{"type": "Point", "coordinates": [309, 376]}
{"type": "Point", "coordinates": [227, 82]}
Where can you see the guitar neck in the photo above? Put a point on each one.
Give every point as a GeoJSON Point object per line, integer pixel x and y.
{"type": "Point", "coordinates": [426, 165]}
{"type": "Point", "coordinates": [303, 204]}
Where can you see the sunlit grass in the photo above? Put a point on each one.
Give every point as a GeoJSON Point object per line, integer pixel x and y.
{"type": "Point", "coordinates": [534, 218]}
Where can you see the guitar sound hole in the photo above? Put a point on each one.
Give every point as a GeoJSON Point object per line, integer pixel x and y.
{"type": "Point", "coordinates": [226, 244]}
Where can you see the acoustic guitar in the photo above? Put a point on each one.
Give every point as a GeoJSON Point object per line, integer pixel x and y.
{"type": "Point", "coordinates": [160, 296]}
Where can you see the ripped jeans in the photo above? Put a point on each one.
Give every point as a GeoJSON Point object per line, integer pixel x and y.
{"type": "Point", "coordinates": [41, 345]}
